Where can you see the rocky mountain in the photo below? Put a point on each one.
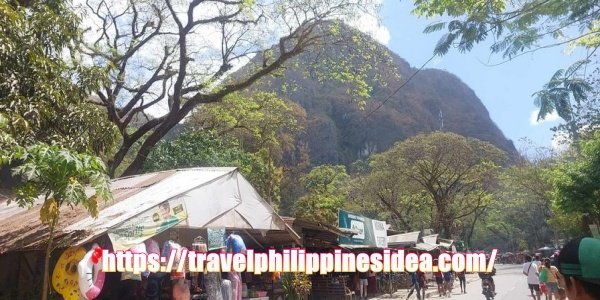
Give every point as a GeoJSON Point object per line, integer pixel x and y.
{"type": "Point", "coordinates": [340, 131]}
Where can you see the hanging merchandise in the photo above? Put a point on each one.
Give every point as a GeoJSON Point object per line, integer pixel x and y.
{"type": "Point", "coordinates": [168, 246]}
{"type": "Point", "coordinates": [199, 245]}
{"type": "Point", "coordinates": [166, 252]}
{"type": "Point", "coordinates": [236, 285]}
{"type": "Point", "coordinates": [91, 277]}
{"type": "Point", "coordinates": [152, 246]}
{"type": "Point", "coordinates": [174, 273]}
{"type": "Point", "coordinates": [235, 244]}
{"type": "Point", "coordinates": [227, 289]}
{"type": "Point", "coordinates": [65, 276]}
{"type": "Point", "coordinates": [139, 248]}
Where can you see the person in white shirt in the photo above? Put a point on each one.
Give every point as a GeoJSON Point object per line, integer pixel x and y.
{"type": "Point", "coordinates": [530, 269]}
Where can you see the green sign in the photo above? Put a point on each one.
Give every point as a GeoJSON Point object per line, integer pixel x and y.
{"type": "Point", "coordinates": [371, 233]}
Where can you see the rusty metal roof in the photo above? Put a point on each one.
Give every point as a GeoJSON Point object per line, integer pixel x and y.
{"type": "Point", "coordinates": [21, 228]}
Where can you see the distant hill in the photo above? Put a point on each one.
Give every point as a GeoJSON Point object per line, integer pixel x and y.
{"type": "Point", "coordinates": [339, 132]}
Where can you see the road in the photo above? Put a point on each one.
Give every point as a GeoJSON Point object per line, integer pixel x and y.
{"type": "Point", "coordinates": [510, 285]}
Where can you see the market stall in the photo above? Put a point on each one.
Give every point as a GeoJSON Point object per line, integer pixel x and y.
{"type": "Point", "coordinates": [199, 208]}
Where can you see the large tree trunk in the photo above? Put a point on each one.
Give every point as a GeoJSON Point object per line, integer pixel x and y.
{"type": "Point", "coordinates": [150, 142]}
{"type": "Point", "coordinates": [47, 261]}
{"type": "Point", "coordinates": [117, 159]}
{"type": "Point", "coordinates": [446, 229]}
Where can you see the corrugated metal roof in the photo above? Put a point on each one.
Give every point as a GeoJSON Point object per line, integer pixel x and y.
{"type": "Point", "coordinates": [21, 229]}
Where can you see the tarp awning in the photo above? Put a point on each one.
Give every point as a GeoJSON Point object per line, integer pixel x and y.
{"type": "Point", "coordinates": [430, 239]}
{"type": "Point", "coordinates": [404, 239]}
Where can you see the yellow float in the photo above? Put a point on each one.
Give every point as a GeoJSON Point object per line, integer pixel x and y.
{"type": "Point", "coordinates": [65, 276]}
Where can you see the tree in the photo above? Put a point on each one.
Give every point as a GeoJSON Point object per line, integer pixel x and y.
{"type": "Point", "coordinates": [262, 124]}
{"type": "Point", "coordinates": [379, 195]}
{"type": "Point", "coordinates": [199, 44]}
{"type": "Point", "coordinates": [524, 206]}
{"type": "Point", "coordinates": [59, 177]}
{"type": "Point", "coordinates": [254, 133]}
{"type": "Point", "coordinates": [450, 173]}
{"type": "Point", "coordinates": [325, 195]}
{"type": "Point", "coordinates": [576, 185]}
{"type": "Point", "coordinates": [519, 28]}
{"type": "Point", "coordinates": [525, 214]}
{"type": "Point", "coordinates": [194, 148]}
{"type": "Point", "coordinates": [44, 87]}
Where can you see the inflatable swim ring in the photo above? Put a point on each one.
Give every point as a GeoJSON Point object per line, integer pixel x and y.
{"type": "Point", "coordinates": [91, 277]}
{"type": "Point", "coordinates": [139, 248]}
{"type": "Point", "coordinates": [64, 276]}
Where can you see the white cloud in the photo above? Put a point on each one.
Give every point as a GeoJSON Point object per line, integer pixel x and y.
{"type": "Point", "coordinates": [549, 118]}
{"type": "Point", "coordinates": [372, 26]}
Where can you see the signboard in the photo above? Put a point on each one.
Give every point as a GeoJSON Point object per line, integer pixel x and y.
{"type": "Point", "coordinates": [216, 238]}
{"type": "Point", "coordinates": [371, 233]}
{"type": "Point", "coordinates": [148, 224]}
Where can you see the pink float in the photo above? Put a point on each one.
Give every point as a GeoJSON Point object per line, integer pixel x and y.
{"type": "Point", "coordinates": [91, 277]}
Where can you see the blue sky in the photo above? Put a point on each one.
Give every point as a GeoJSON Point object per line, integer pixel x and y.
{"type": "Point", "coordinates": [506, 90]}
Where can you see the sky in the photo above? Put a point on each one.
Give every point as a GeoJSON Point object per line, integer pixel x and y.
{"type": "Point", "coordinates": [506, 90]}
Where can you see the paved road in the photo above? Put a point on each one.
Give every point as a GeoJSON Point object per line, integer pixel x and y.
{"type": "Point", "coordinates": [510, 285]}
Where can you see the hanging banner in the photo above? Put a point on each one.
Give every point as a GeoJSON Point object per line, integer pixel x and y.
{"type": "Point", "coordinates": [371, 233]}
{"type": "Point", "coordinates": [148, 224]}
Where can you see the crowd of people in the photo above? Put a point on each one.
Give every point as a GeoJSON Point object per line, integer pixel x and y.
{"type": "Point", "coordinates": [444, 282]}
{"type": "Point", "coordinates": [572, 273]}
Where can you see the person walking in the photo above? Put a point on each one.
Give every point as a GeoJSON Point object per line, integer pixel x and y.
{"type": "Point", "coordinates": [439, 280]}
{"type": "Point", "coordinates": [364, 282]}
{"type": "Point", "coordinates": [415, 286]}
{"type": "Point", "coordinates": [549, 276]}
{"type": "Point", "coordinates": [462, 281]}
{"type": "Point", "coordinates": [448, 283]}
{"type": "Point", "coordinates": [530, 269]}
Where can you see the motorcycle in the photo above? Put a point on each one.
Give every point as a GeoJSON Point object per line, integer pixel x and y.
{"type": "Point", "coordinates": [487, 289]}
